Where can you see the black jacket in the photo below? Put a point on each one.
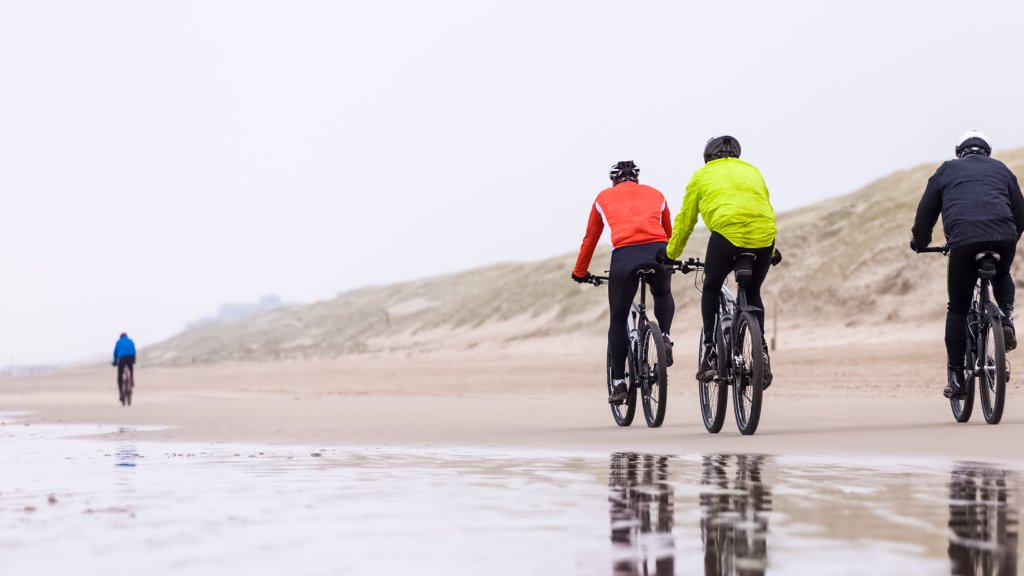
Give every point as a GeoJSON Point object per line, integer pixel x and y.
{"type": "Point", "coordinates": [979, 198]}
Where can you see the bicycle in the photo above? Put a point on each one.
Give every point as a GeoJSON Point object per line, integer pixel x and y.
{"type": "Point", "coordinates": [126, 384]}
{"type": "Point", "coordinates": [645, 363]}
{"type": "Point", "coordinates": [739, 347]}
{"type": "Point", "coordinates": [985, 358]}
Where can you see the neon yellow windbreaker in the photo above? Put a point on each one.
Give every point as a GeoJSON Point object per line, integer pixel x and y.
{"type": "Point", "coordinates": [731, 196]}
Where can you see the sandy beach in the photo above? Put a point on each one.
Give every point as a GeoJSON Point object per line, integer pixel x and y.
{"type": "Point", "coordinates": [829, 399]}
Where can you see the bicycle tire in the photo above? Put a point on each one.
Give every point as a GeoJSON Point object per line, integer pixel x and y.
{"type": "Point", "coordinates": [120, 388]}
{"type": "Point", "coordinates": [622, 413]}
{"type": "Point", "coordinates": [749, 376]}
{"type": "Point", "coordinates": [963, 407]}
{"type": "Point", "coordinates": [653, 395]}
{"type": "Point", "coordinates": [713, 394]}
{"type": "Point", "coordinates": [992, 380]}
{"type": "Point", "coordinates": [129, 386]}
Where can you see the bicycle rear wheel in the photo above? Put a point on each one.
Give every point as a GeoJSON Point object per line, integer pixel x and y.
{"type": "Point", "coordinates": [992, 379]}
{"type": "Point", "coordinates": [129, 386]}
{"type": "Point", "coordinates": [624, 412]}
{"type": "Point", "coordinates": [963, 407]}
{"type": "Point", "coordinates": [713, 393]}
{"type": "Point", "coordinates": [748, 376]}
{"type": "Point", "coordinates": [653, 375]}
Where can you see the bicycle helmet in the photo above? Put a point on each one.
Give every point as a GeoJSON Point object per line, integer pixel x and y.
{"type": "Point", "coordinates": [972, 142]}
{"type": "Point", "coordinates": [623, 171]}
{"type": "Point", "coordinates": [721, 147]}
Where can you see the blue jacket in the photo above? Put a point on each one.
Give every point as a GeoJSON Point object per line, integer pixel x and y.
{"type": "Point", "coordinates": [124, 347]}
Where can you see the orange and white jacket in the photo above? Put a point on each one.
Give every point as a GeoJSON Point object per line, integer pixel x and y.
{"type": "Point", "coordinates": [636, 214]}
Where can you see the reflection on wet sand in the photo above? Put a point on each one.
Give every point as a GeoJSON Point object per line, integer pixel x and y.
{"type": "Point", "coordinates": [733, 498]}
{"type": "Point", "coordinates": [982, 522]}
{"type": "Point", "coordinates": [126, 455]}
{"type": "Point", "coordinates": [641, 514]}
{"type": "Point", "coordinates": [733, 527]}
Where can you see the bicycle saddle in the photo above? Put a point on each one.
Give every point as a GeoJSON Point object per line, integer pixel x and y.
{"type": "Point", "coordinates": [645, 270]}
{"type": "Point", "coordinates": [987, 264]}
{"type": "Point", "coordinates": [744, 267]}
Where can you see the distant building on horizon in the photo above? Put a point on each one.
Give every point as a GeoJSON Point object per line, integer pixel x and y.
{"type": "Point", "coordinates": [232, 311]}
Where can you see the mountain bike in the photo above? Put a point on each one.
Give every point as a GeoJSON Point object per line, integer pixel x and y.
{"type": "Point", "coordinates": [739, 348]}
{"type": "Point", "coordinates": [126, 384]}
{"type": "Point", "coordinates": [985, 359]}
{"type": "Point", "coordinates": [646, 372]}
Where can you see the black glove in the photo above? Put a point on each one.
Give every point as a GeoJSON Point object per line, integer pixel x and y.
{"type": "Point", "coordinates": [114, 363]}
{"type": "Point", "coordinates": [916, 246]}
{"type": "Point", "coordinates": [776, 257]}
{"type": "Point", "coordinates": [585, 279]}
{"type": "Point", "coordinates": [662, 256]}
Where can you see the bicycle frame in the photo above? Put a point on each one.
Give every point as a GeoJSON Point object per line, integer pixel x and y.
{"type": "Point", "coordinates": [635, 324]}
{"type": "Point", "coordinates": [729, 306]}
{"type": "Point", "coordinates": [979, 317]}
{"type": "Point", "coordinates": [637, 318]}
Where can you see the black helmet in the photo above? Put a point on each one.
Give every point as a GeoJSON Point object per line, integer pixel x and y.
{"type": "Point", "coordinates": [623, 171]}
{"type": "Point", "coordinates": [972, 142]}
{"type": "Point", "coordinates": [721, 147]}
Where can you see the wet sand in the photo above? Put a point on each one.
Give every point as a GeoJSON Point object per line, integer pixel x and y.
{"type": "Point", "coordinates": [122, 506]}
{"type": "Point", "coordinates": [841, 399]}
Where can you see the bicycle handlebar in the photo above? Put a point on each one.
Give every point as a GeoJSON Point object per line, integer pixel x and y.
{"type": "Point", "coordinates": [937, 249]}
{"type": "Point", "coordinates": [597, 280]}
{"type": "Point", "coordinates": [685, 266]}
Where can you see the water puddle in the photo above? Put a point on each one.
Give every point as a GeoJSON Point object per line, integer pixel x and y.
{"type": "Point", "coordinates": [98, 506]}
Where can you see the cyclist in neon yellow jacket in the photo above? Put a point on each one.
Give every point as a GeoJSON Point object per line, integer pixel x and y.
{"type": "Point", "coordinates": [732, 198]}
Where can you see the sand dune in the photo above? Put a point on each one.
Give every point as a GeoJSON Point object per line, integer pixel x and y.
{"type": "Point", "coordinates": [847, 276]}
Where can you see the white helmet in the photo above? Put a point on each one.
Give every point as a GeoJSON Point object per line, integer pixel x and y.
{"type": "Point", "coordinates": [972, 142]}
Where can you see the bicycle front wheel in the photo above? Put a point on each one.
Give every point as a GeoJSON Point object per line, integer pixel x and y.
{"type": "Point", "coordinates": [653, 375]}
{"type": "Point", "coordinates": [624, 411]}
{"type": "Point", "coordinates": [713, 392]}
{"type": "Point", "coordinates": [748, 375]}
{"type": "Point", "coordinates": [963, 406]}
{"type": "Point", "coordinates": [992, 379]}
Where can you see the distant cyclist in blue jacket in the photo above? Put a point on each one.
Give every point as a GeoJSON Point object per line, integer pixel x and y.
{"type": "Point", "coordinates": [124, 357]}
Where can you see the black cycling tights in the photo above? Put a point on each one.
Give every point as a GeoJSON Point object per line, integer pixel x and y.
{"type": "Point", "coordinates": [718, 264]}
{"type": "Point", "coordinates": [963, 275]}
{"type": "Point", "coordinates": [622, 286]}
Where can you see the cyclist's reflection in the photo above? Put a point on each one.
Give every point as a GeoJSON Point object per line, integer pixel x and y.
{"type": "Point", "coordinates": [641, 514]}
{"type": "Point", "coordinates": [732, 524]}
{"type": "Point", "coordinates": [982, 521]}
{"type": "Point", "coordinates": [126, 456]}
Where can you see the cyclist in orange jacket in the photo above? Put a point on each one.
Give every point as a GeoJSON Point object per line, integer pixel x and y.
{"type": "Point", "coordinates": [640, 225]}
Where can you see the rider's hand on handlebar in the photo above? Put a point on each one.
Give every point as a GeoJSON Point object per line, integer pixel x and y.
{"type": "Point", "coordinates": [587, 278]}
{"type": "Point", "coordinates": [915, 246]}
{"type": "Point", "coordinates": [776, 257]}
{"type": "Point", "coordinates": [662, 258]}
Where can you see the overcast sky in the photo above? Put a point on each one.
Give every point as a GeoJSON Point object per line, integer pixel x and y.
{"type": "Point", "coordinates": [160, 158]}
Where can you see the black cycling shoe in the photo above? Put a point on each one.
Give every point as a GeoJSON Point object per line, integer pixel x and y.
{"type": "Point", "coordinates": [1009, 335]}
{"type": "Point", "coordinates": [618, 393]}
{"type": "Point", "coordinates": [668, 350]}
{"type": "Point", "coordinates": [767, 370]}
{"type": "Point", "coordinates": [956, 387]}
{"type": "Point", "coordinates": [708, 363]}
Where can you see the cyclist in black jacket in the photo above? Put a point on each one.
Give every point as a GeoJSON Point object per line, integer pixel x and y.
{"type": "Point", "coordinates": [982, 209]}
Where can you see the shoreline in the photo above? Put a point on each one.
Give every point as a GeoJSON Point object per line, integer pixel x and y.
{"type": "Point", "coordinates": [819, 405]}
